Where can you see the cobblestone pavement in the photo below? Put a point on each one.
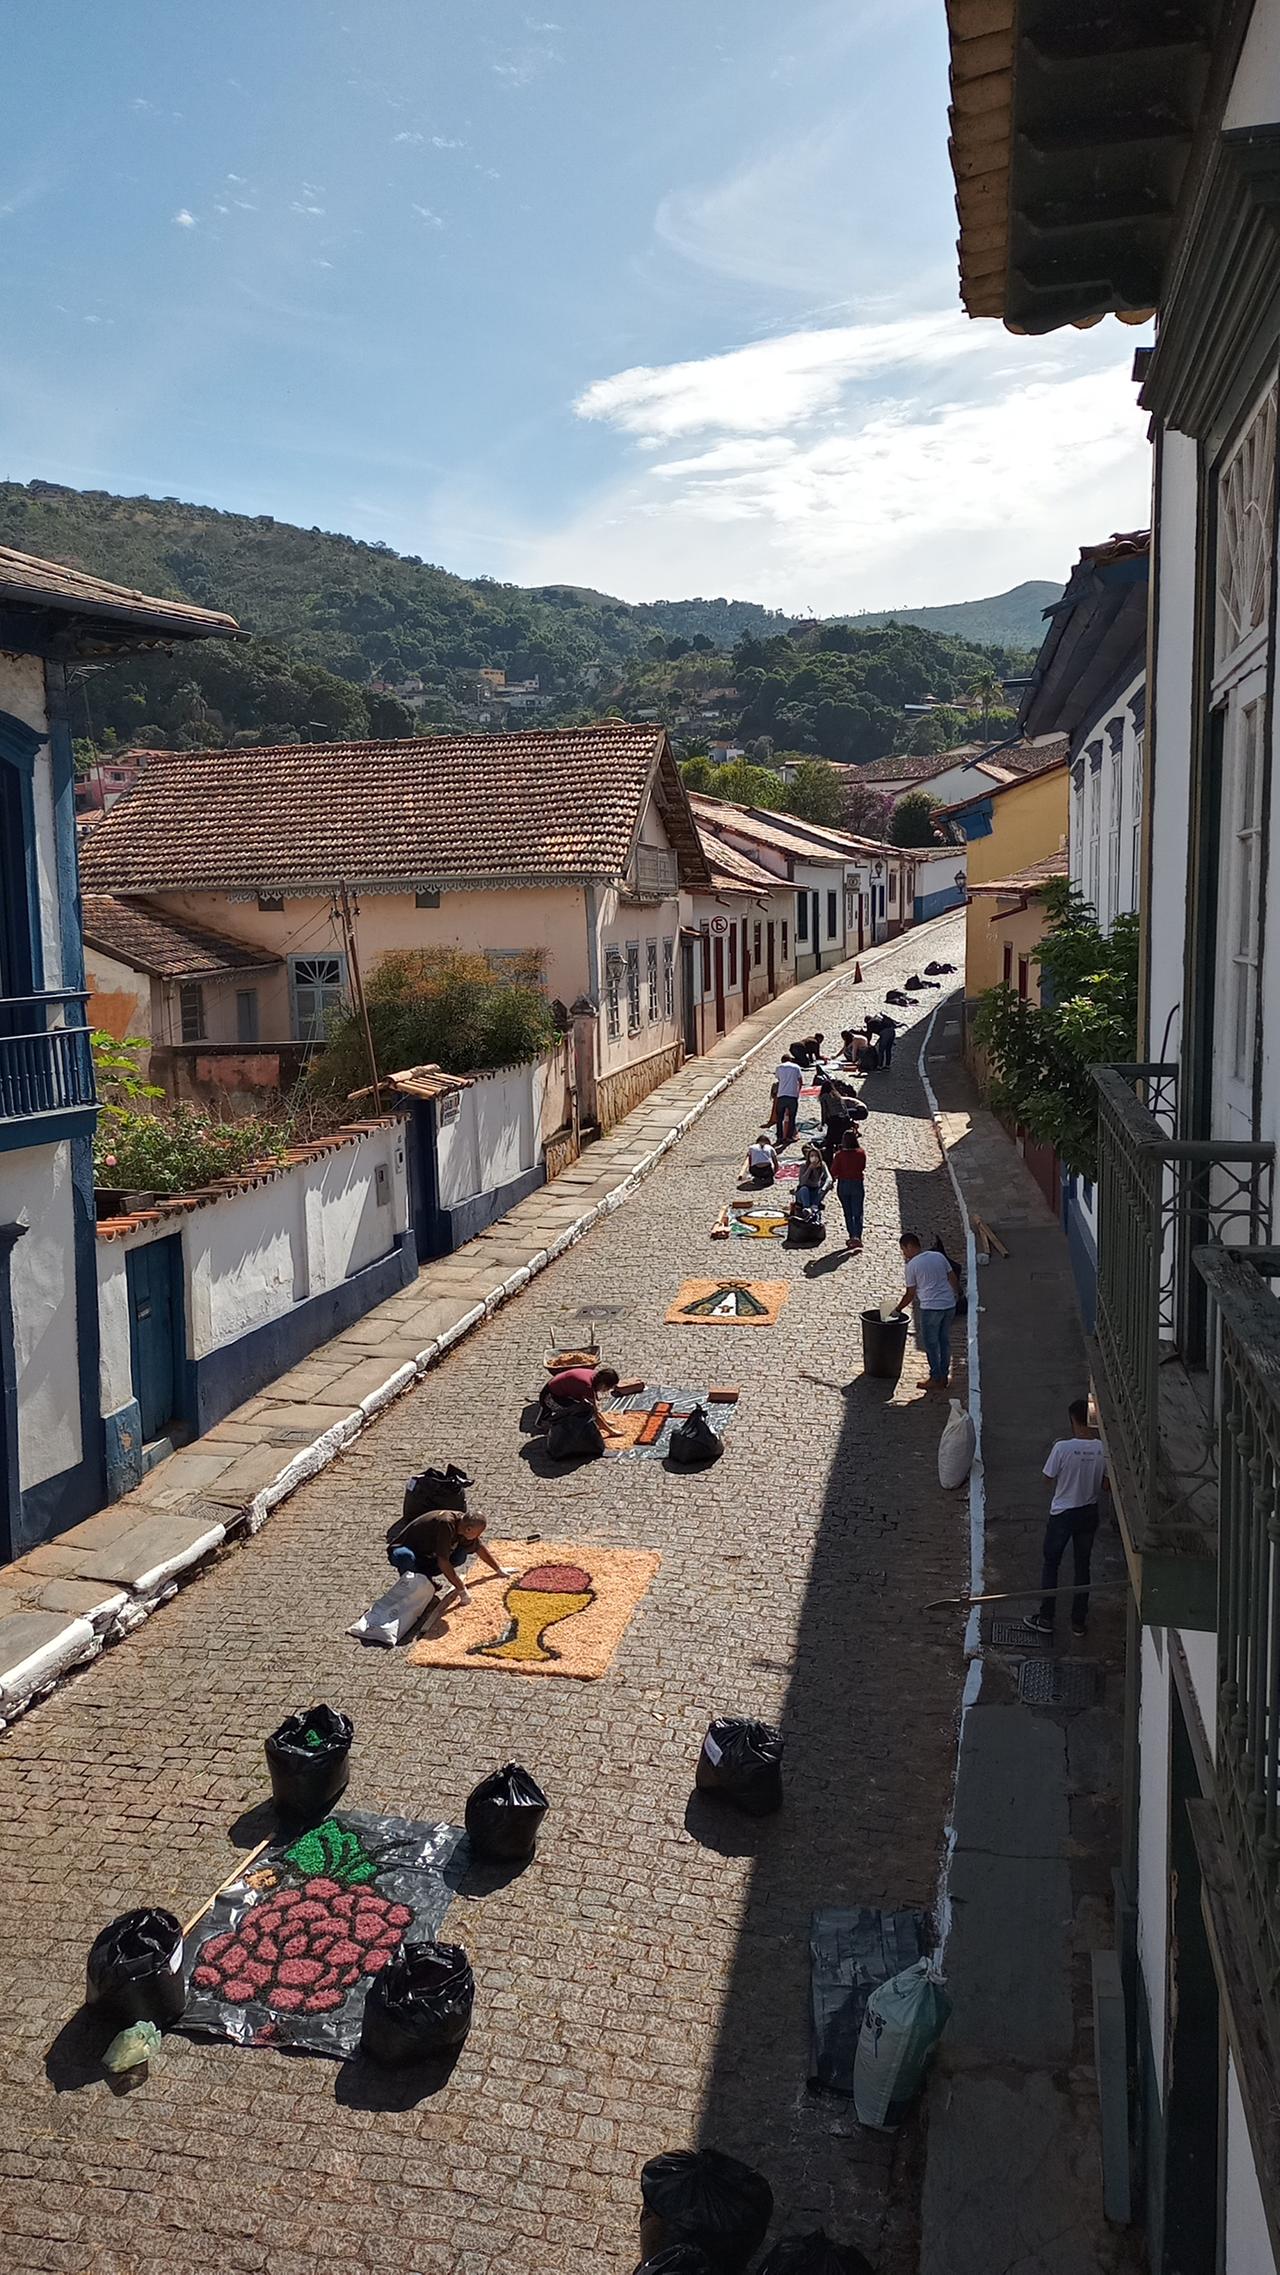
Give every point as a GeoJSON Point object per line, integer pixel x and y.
{"type": "Point", "coordinates": [644, 1984]}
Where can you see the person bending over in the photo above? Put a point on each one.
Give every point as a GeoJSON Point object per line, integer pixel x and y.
{"type": "Point", "coordinates": [440, 1545]}
{"type": "Point", "coordinates": [576, 1390]}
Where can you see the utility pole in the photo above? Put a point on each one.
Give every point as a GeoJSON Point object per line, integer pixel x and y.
{"type": "Point", "coordinates": [353, 961]}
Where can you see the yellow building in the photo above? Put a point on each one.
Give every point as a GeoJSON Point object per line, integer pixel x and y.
{"type": "Point", "coordinates": [1016, 835]}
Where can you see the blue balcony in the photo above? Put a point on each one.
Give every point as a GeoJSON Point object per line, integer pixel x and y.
{"type": "Point", "coordinates": [46, 1068]}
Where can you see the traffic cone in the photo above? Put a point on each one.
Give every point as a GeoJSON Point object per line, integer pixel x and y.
{"type": "Point", "coordinates": [857, 975]}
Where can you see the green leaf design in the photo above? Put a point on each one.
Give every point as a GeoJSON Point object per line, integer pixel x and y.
{"type": "Point", "coordinates": [330, 1851]}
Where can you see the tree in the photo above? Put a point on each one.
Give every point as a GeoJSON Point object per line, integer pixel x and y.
{"type": "Point", "coordinates": [864, 808]}
{"type": "Point", "coordinates": [943, 728]}
{"type": "Point", "coordinates": [987, 690]}
{"type": "Point", "coordinates": [84, 754]}
{"type": "Point", "coordinates": [814, 794]}
{"type": "Point", "coordinates": [437, 1006]}
{"type": "Point", "coordinates": [915, 819]}
{"type": "Point", "coordinates": [698, 772]}
{"type": "Point", "coordinates": [1040, 1054]}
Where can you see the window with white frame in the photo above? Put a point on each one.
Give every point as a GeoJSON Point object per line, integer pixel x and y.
{"type": "Point", "coordinates": [669, 979]}
{"type": "Point", "coordinates": [613, 993]}
{"type": "Point", "coordinates": [1242, 836]}
{"type": "Point", "coordinates": [1094, 793]}
{"type": "Point", "coordinates": [1114, 819]}
{"type": "Point", "coordinates": [633, 987]}
{"type": "Point", "coordinates": [651, 973]}
{"type": "Point", "coordinates": [317, 985]}
{"type": "Point", "coordinates": [1246, 519]}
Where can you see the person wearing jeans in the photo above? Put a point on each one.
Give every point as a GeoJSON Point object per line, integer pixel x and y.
{"type": "Point", "coordinates": [788, 1085]}
{"type": "Point", "coordinates": [849, 1168]}
{"type": "Point", "coordinates": [932, 1285]}
{"type": "Point", "coordinates": [1077, 1468]}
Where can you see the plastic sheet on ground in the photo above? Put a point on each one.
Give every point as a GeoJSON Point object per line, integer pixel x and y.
{"type": "Point", "coordinates": [286, 1955]}
{"type": "Point", "coordinates": [851, 1952]}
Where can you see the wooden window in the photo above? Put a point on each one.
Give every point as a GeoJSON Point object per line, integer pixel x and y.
{"type": "Point", "coordinates": [802, 916]}
{"type": "Point", "coordinates": [755, 949]}
{"type": "Point", "coordinates": [1007, 974]}
{"type": "Point", "coordinates": [833, 915]}
{"type": "Point", "coordinates": [1135, 808]}
{"type": "Point", "coordinates": [1245, 823]}
{"type": "Point", "coordinates": [786, 940]}
{"type": "Point", "coordinates": [669, 979]}
{"type": "Point", "coordinates": [1024, 977]}
{"type": "Point", "coordinates": [246, 1015]}
{"type": "Point", "coordinates": [651, 973]}
{"type": "Point", "coordinates": [1246, 519]}
{"type": "Point", "coordinates": [706, 959]}
{"type": "Point", "coordinates": [633, 987]}
{"type": "Point", "coordinates": [271, 904]}
{"type": "Point", "coordinates": [1114, 819]}
{"type": "Point", "coordinates": [613, 993]}
{"type": "Point", "coordinates": [191, 1012]}
{"type": "Point", "coordinates": [733, 955]}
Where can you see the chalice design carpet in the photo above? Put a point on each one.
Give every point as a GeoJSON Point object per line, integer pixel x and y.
{"type": "Point", "coordinates": [564, 1613]}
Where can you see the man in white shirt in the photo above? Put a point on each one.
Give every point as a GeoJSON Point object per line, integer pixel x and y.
{"type": "Point", "coordinates": [1078, 1468]}
{"type": "Point", "coordinates": [788, 1084]}
{"type": "Point", "coordinates": [931, 1284]}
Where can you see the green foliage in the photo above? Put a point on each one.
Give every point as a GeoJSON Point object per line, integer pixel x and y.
{"type": "Point", "coordinates": [915, 819]}
{"type": "Point", "coordinates": [116, 1069]}
{"type": "Point", "coordinates": [1040, 1053]}
{"type": "Point", "coordinates": [813, 793]}
{"type": "Point", "coordinates": [182, 1150]}
{"type": "Point", "coordinates": [329, 1851]}
{"type": "Point", "coordinates": [1012, 620]}
{"type": "Point", "coordinates": [441, 1007]}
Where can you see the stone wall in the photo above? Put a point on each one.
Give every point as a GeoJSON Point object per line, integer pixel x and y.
{"type": "Point", "coordinates": [618, 1093]}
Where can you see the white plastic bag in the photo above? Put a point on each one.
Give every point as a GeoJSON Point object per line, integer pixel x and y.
{"type": "Point", "coordinates": [904, 2020]}
{"type": "Point", "coordinates": [394, 1616]}
{"type": "Point", "coordinates": [956, 1447]}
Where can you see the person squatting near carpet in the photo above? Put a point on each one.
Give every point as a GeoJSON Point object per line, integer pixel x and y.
{"type": "Point", "coordinates": [814, 1182]}
{"type": "Point", "coordinates": [932, 1285]}
{"type": "Point", "coordinates": [1077, 1467]}
{"type": "Point", "coordinates": [761, 1164]}
{"type": "Point", "coordinates": [575, 1391]}
{"type": "Point", "coordinates": [439, 1545]}
{"type": "Point", "coordinates": [788, 1083]}
{"type": "Point", "coordinates": [849, 1169]}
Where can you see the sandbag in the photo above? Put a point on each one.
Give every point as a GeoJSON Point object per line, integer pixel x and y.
{"type": "Point", "coordinates": [815, 2254]}
{"type": "Point", "coordinates": [904, 2020]}
{"type": "Point", "coordinates": [504, 1813]}
{"type": "Point", "coordinates": [395, 1615]}
{"type": "Point", "coordinates": [741, 1761]}
{"type": "Point", "coordinates": [703, 2197]}
{"type": "Point", "coordinates": [682, 2259]}
{"type": "Point", "coordinates": [574, 1435]}
{"type": "Point", "coordinates": [134, 1968]}
{"type": "Point", "coordinates": [309, 1761]}
{"type": "Point", "coordinates": [694, 1440]}
{"type": "Point", "coordinates": [436, 1489]}
{"type": "Point", "coordinates": [956, 1447]}
{"type": "Point", "coordinates": [419, 2005]}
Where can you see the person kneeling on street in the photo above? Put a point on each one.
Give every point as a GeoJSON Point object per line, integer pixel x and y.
{"type": "Point", "coordinates": [440, 1545]}
{"type": "Point", "coordinates": [761, 1164]}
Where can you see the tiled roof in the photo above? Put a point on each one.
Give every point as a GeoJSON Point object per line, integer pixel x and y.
{"type": "Point", "coordinates": [150, 941]}
{"type": "Point", "coordinates": [1026, 880]}
{"type": "Point", "coordinates": [919, 768]}
{"type": "Point", "coordinates": [719, 814]}
{"type": "Point", "coordinates": [49, 584]}
{"type": "Point", "coordinates": [735, 868]}
{"type": "Point", "coordinates": [172, 1205]}
{"type": "Point", "coordinates": [449, 810]}
{"type": "Point", "coordinates": [1049, 763]}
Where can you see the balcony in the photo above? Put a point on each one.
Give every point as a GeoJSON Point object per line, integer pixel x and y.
{"type": "Point", "coordinates": [46, 1067]}
{"type": "Point", "coordinates": [1159, 1199]}
{"type": "Point", "coordinates": [654, 875]}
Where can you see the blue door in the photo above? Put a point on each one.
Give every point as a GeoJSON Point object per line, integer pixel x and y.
{"type": "Point", "coordinates": [156, 1337]}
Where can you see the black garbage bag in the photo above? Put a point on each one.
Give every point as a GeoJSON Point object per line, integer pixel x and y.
{"type": "Point", "coordinates": [742, 1762]}
{"type": "Point", "coordinates": [815, 2254]}
{"type": "Point", "coordinates": [933, 971]}
{"type": "Point", "coordinates": [806, 1228]}
{"type": "Point", "coordinates": [703, 2197]}
{"type": "Point", "coordinates": [436, 1489]}
{"type": "Point", "coordinates": [895, 995]}
{"type": "Point", "coordinates": [135, 1969]}
{"type": "Point", "coordinates": [504, 1813]}
{"type": "Point", "coordinates": [682, 2259]}
{"type": "Point", "coordinates": [694, 1440]}
{"type": "Point", "coordinates": [574, 1435]}
{"type": "Point", "coordinates": [420, 2005]}
{"type": "Point", "coordinates": [309, 1758]}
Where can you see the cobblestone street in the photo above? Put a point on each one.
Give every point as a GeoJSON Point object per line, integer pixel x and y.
{"type": "Point", "coordinates": [644, 1984]}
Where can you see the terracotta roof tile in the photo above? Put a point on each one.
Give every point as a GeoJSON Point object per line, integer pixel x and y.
{"type": "Point", "coordinates": [151, 941]}
{"type": "Point", "coordinates": [1026, 880]}
{"type": "Point", "coordinates": [50, 584]}
{"type": "Point", "coordinates": [448, 809]}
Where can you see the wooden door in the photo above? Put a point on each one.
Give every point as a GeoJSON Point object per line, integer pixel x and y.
{"type": "Point", "coordinates": [718, 963]}
{"type": "Point", "coordinates": [156, 1337]}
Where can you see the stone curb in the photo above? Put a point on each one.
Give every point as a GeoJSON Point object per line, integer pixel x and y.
{"type": "Point", "coordinates": [24, 1684]}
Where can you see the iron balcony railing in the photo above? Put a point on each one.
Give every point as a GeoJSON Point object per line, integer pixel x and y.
{"type": "Point", "coordinates": [46, 1064]}
{"type": "Point", "coordinates": [1159, 1197]}
{"type": "Point", "coordinates": [654, 871]}
{"type": "Point", "coordinates": [1245, 1326]}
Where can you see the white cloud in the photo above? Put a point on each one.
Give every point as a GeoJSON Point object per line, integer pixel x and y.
{"type": "Point", "coordinates": [240, 178]}
{"type": "Point", "coordinates": [406, 137]}
{"type": "Point", "coordinates": [299, 206]}
{"type": "Point", "coordinates": [447, 142]}
{"type": "Point", "coordinates": [424, 213]}
{"type": "Point", "coordinates": [183, 219]}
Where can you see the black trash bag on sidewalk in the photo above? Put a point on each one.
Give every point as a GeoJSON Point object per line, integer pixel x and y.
{"type": "Point", "coordinates": [682, 2259]}
{"type": "Point", "coordinates": [703, 2197]}
{"type": "Point", "coordinates": [419, 2006]}
{"type": "Point", "coordinates": [741, 1761]}
{"type": "Point", "coordinates": [694, 1440]}
{"type": "Point", "coordinates": [815, 2254]}
{"type": "Point", "coordinates": [504, 1813]}
{"type": "Point", "coordinates": [309, 1758]}
{"type": "Point", "coordinates": [806, 1228]}
{"type": "Point", "coordinates": [574, 1435]}
{"type": "Point", "coordinates": [134, 1968]}
{"type": "Point", "coordinates": [437, 1489]}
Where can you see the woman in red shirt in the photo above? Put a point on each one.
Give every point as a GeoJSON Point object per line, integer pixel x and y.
{"type": "Point", "coordinates": [849, 1168]}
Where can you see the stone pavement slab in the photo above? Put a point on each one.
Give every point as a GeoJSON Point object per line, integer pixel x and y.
{"type": "Point", "coordinates": [1010, 2181]}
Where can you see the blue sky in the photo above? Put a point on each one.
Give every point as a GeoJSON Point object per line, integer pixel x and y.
{"type": "Point", "coordinates": [653, 295]}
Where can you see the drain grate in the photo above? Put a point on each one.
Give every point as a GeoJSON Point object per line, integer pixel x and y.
{"type": "Point", "coordinates": [1011, 1635]}
{"type": "Point", "coordinates": [591, 1311]}
{"type": "Point", "coordinates": [1070, 1683]}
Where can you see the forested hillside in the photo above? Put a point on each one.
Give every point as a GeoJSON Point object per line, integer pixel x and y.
{"type": "Point", "coordinates": [350, 639]}
{"type": "Point", "coordinates": [1012, 619]}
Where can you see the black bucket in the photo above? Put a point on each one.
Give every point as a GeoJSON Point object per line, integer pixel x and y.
{"type": "Point", "coordinates": [884, 1345]}
{"type": "Point", "coordinates": [705, 2198]}
{"type": "Point", "coordinates": [309, 1758]}
{"type": "Point", "coordinates": [419, 2006]}
{"type": "Point", "coordinates": [135, 1969]}
{"type": "Point", "coordinates": [503, 1815]}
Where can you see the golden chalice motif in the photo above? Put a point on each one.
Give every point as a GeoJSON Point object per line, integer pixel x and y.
{"type": "Point", "coordinates": [540, 1598]}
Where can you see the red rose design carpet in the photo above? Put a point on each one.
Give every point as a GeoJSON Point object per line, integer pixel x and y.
{"type": "Point", "coordinates": [564, 1613]}
{"type": "Point", "coordinates": [285, 1956]}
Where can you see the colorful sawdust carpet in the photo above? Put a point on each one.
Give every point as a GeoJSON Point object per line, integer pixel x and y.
{"type": "Point", "coordinates": [747, 1220]}
{"type": "Point", "coordinates": [728, 1303]}
{"type": "Point", "coordinates": [564, 1613]}
{"type": "Point", "coordinates": [640, 1425]}
{"type": "Point", "coordinates": [285, 1955]}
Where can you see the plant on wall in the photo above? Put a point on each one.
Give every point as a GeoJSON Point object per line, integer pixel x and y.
{"type": "Point", "coordinates": [1040, 1054]}
{"type": "Point", "coordinates": [438, 1007]}
{"type": "Point", "coordinates": [178, 1151]}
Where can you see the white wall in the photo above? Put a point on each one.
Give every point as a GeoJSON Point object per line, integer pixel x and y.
{"type": "Point", "coordinates": [1255, 91]}
{"type": "Point", "coordinates": [1115, 785]}
{"type": "Point", "coordinates": [496, 1134]}
{"type": "Point", "coordinates": [1247, 2249]}
{"type": "Point", "coordinates": [1172, 700]}
{"type": "Point", "coordinates": [1153, 1834]}
{"type": "Point", "coordinates": [36, 1191]}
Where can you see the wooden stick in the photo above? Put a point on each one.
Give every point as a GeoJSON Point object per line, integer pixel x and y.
{"type": "Point", "coordinates": [997, 1243]}
{"type": "Point", "coordinates": [1028, 1595]}
{"type": "Point", "coordinates": [237, 1872]}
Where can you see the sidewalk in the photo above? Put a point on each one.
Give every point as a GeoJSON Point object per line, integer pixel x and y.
{"type": "Point", "coordinates": [1013, 2176]}
{"type": "Point", "coordinates": [63, 1601]}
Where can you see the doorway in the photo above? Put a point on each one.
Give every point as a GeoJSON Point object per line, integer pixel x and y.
{"type": "Point", "coordinates": [718, 962]}
{"type": "Point", "coordinates": [157, 1334]}
{"type": "Point", "coordinates": [688, 1000]}
{"type": "Point", "coordinates": [815, 905]}
{"type": "Point", "coordinates": [771, 970]}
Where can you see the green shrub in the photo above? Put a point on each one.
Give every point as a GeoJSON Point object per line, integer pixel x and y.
{"type": "Point", "coordinates": [181, 1150]}
{"type": "Point", "coordinates": [438, 1007]}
